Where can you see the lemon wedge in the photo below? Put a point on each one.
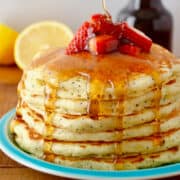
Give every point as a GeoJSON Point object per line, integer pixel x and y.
{"type": "Point", "coordinates": [39, 37]}
{"type": "Point", "coordinates": [7, 40]}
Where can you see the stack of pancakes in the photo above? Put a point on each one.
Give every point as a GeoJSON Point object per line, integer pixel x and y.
{"type": "Point", "coordinates": [108, 112]}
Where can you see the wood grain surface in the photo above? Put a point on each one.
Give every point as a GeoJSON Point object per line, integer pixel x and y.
{"type": "Point", "coordinates": [9, 169]}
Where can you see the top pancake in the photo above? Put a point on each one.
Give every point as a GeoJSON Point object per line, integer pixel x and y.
{"type": "Point", "coordinates": [110, 76]}
{"type": "Point", "coordinates": [58, 81]}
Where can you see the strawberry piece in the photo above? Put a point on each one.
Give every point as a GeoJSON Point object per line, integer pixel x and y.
{"type": "Point", "coordinates": [137, 37]}
{"type": "Point", "coordinates": [129, 49]}
{"type": "Point", "coordinates": [102, 24]}
{"type": "Point", "coordinates": [102, 36]}
{"type": "Point", "coordinates": [103, 44]}
{"type": "Point", "coordinates": [118, 30]}
{"type": "Point", "coordinates": [99, 18]}
{"type": "Point", "coordinates": [81, 38]}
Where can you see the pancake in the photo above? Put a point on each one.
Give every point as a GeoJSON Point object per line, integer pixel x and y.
{"type": "Point", "coordinates": [110, 111]}
{"type": "Point", "coordinates": [106, 107]}
{"type": "Point", "coordinates": [143, 130]}
{"type": "Point", "coordinates": [85, 123]}
{"type": "Point", "coordinates": [31, 141]}
{"type": "Point", "coordinates": [119, 163]}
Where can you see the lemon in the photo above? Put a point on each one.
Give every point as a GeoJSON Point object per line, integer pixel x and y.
{"type": "Point", "coordinates": [7, 40]}
{"type": "Point", "coordinates": [38, 37]}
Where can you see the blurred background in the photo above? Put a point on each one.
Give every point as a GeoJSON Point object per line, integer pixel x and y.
{"type": "Point", "coordinates": [19, 13]}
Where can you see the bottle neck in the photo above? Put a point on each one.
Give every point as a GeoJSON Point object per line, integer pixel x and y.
{"type": "Point", "coordinates": [141, 4]}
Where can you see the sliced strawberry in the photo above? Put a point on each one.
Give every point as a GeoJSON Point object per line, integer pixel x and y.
{"type": "Point", "coordinates": [81, 38]}
{"type": "Point", "coordinates": [118, 30]}
{"type": "Point", "coordinates": [99, 18]}
{"type": "Point", "coordinates": [129, 49]}
{"type": "Point", "coordinates": [103, 44]}
{"type": "Point", "coordinates": [102, 36]}
{"type": "Point", "coordinates": [102, 24]}
{"type": "Point", "coordinates": [137, 37]}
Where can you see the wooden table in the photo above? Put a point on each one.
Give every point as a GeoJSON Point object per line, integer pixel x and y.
{"type": "Point", "coordinates": [9, 169]}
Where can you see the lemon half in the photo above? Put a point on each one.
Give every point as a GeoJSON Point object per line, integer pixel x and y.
{"type": "Point", "coordinates": [38, 37]}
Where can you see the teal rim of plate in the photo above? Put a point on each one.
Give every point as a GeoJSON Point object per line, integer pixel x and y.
{"type": "Point", "coordinates": [9, 148]}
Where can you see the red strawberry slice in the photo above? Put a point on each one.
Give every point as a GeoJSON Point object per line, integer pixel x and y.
{"type": "Point", "coordinates": [118, 30]}
{"type": "Point", "coordinates": [80, 40]}
{"type": "Point", "coordinates": [103, 44]}
{"type": "Point", "coordinates": [102, 24]}
{"type": "Point", "coordinates": [137, 37]}
{"type": "Point", "coordinates": [129, 49]}
{"type": "Point", "coordinates": [99, 18]}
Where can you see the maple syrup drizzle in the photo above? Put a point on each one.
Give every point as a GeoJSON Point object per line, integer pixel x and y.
{"type": "Point", "coordinates": [157, 99]}
{"type": "Point", "coordinates": [33, 135]}
{"type": "Point", "coordinates": [94, 109]}
{"type": "Point", "coordinates": [96, 91]}
{"type": "Point", "coordinates": [49, 132]}
{"type": "Point", "coordinates": [47, 147]}
{"type": "Point", "coordinates": [117, 152]}
{"type": "Point", "coordinates": [50, 157]}
{"type": "Point", "coordinates": [120, 93]}
{"type": "Point", "coordinates": [50, 94]}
